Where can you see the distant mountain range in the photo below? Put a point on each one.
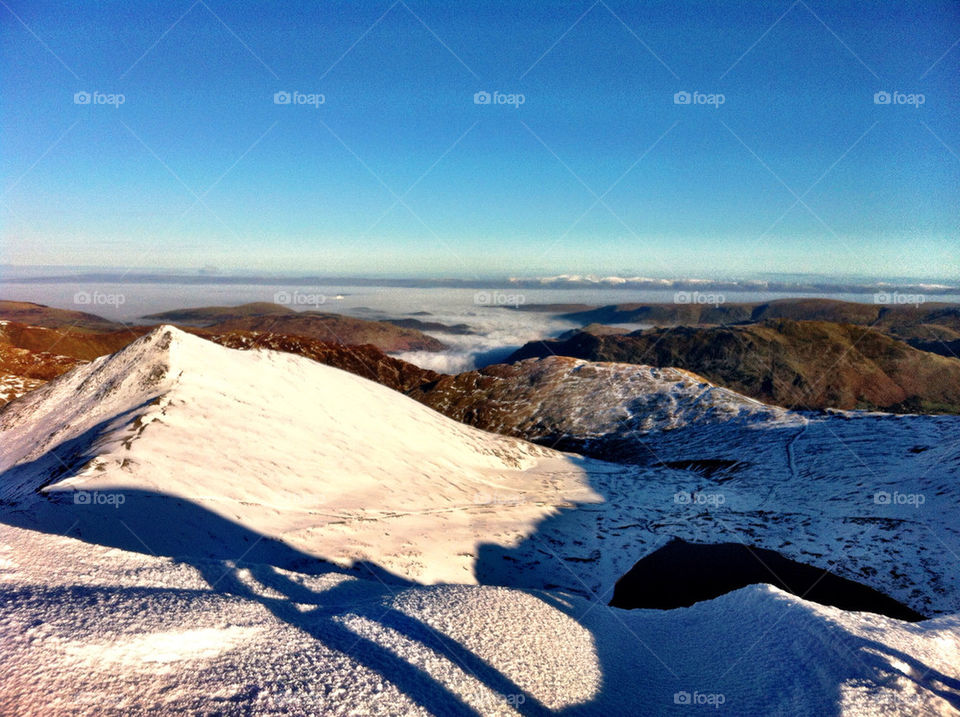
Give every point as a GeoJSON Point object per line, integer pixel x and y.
{"type": "Point", "coordinates": [259, 316]}
{"type": "Point", "coordinates": [31, 355]}
{"type": "Point", "coordinates": [925, 322]}
{"type": "Point", "coordinates": [275, 318]}
{"type": "Point", "coordinates": [797, 364]}
{"type": "Point", "coordinates": [25, 312]}
{"type": "Point", "coordinates": [39, 342]}
{"type": "Point", "coordinates": [806, 364]}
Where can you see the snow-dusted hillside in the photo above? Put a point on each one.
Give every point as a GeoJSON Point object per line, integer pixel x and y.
{"type": "Point", "coordinates": [334, 465]}
{"type": "Point", "coordinates": [874, 497]}
{"type": "Point", "coordinates": [871, 497]}
{"type": "Point", "coordinates": [558, 397]}
{"type": "Point", "coordinates": [88, 630]}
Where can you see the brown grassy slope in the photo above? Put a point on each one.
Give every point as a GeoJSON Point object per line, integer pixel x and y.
{"type": "Point", "coordinates": [259, 316]}
{"type": "Point", "coordinates": [802, 364]}
{"type": "Point", "coordinates": [336, 328]}
{"type": "Point", "coordinates": [26, 312]}
{"type": "Point", "coordinates": [901, 320]}
{"type": "Point", "coordinates": [207, 315]}
{"type": "Point", "coordinates": [32, 352]}
{"type": "Point", "coordinates": [328, 327]}
{"type": "Point", "coordinates": [365, 360]}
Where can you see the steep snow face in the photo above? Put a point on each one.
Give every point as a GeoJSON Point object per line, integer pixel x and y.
{"type": "Point", "coordinates": [75, 403]}
{"type": "Point", "coordinates": [286, 448]}
{"type": "Point", "coordinates": [96, 631]}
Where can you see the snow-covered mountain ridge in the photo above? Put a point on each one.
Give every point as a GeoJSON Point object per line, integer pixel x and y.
{"type": "Point", "coordinates": [285, 447]}
{"type": "Point", "coordinates": [561, 397]}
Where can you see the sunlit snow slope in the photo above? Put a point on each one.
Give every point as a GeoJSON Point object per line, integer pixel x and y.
{"type": "Point", "coordinates": [334, 465]}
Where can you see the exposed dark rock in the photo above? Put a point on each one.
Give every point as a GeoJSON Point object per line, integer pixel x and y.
{"type": "Point", "coordinates": [681, 574]}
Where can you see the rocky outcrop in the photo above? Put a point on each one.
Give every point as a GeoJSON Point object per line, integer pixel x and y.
{"type": "Point", "coordinates": [593, 408]}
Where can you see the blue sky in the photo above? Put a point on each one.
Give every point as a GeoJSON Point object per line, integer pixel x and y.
{"type": "Point", "coordinates": [400, 172]}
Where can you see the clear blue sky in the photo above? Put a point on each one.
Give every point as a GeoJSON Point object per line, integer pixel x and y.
{"type": "Point", "coordinates": [400, 172]}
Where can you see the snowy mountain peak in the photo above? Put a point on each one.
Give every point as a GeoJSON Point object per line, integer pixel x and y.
{"type": "Point", "coordinates": [110, 386]}
{"type": "Point", "coordinates": [283, 446]}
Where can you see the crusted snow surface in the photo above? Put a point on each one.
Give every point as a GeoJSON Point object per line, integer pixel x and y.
{"type": "Point", "coordinates": [871, 497]}
{"type": "Point", "coordinates": [97, 631]}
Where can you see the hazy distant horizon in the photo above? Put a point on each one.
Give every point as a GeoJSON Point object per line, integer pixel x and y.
{"type": "Point", "coordinates": [859, 281]}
